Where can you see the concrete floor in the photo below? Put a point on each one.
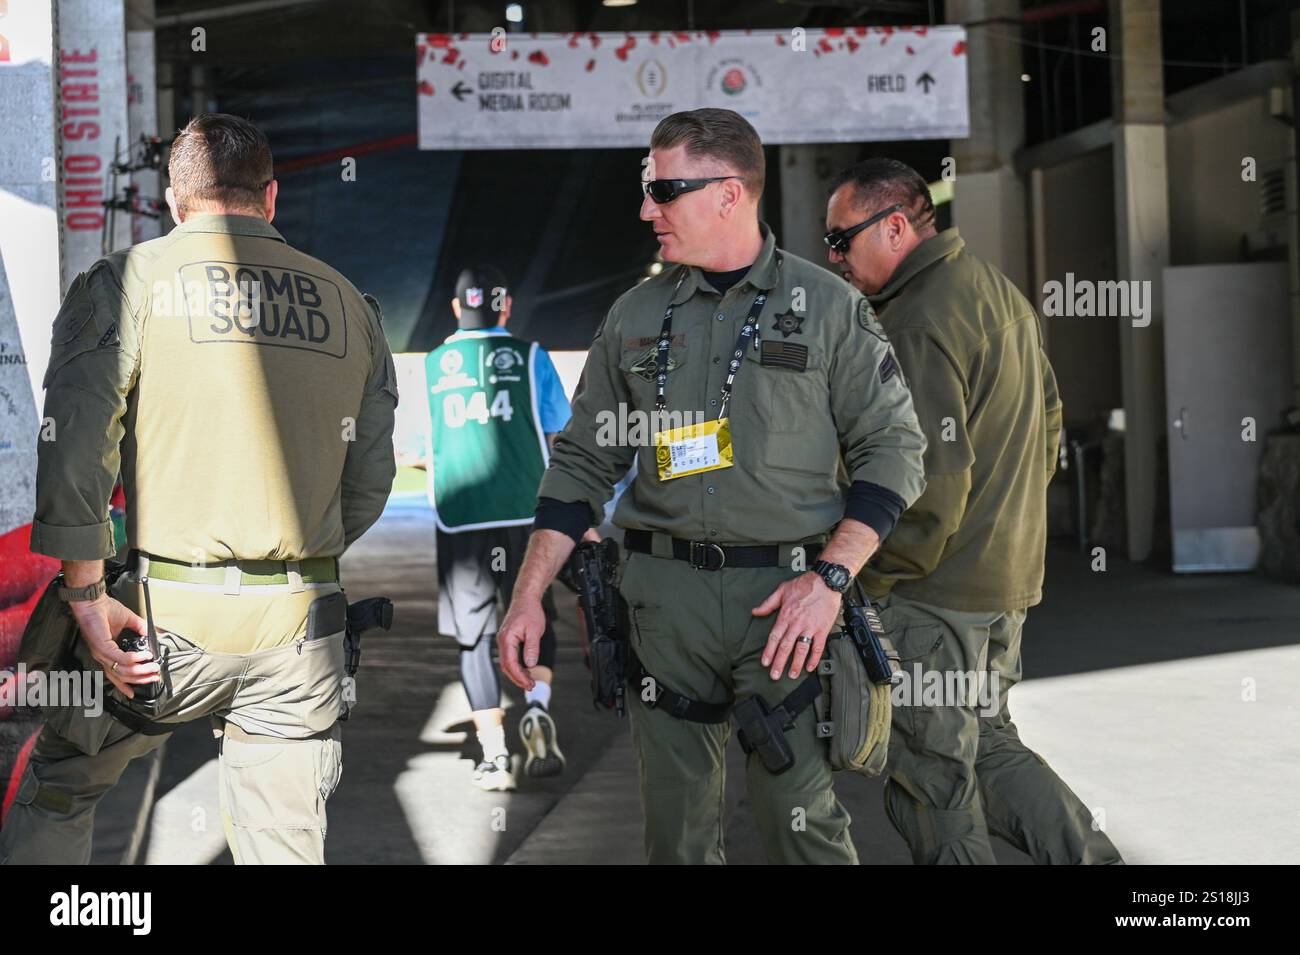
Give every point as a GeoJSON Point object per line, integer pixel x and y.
{"type": "Point", "coordinates": [1169, 704]}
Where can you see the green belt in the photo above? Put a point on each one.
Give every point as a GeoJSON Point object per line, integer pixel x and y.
{"type": "Point", "coordinates": [253, 573]}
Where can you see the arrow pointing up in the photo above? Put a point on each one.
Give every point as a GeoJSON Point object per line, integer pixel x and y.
{"type": "Point", "coordinates": [925, 80]}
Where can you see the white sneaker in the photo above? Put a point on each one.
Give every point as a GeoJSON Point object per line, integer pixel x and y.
{"type": "Point", "coordinates": [494, 775]}
{"type": "Point", "coordinates": [537, 731]}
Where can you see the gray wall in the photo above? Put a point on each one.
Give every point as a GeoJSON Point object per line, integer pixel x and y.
{"type": "Point", "coordinates": [1210, 207]}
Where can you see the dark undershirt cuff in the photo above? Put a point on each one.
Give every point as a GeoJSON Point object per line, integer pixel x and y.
{"type": "Point", "coordinates": [567, 517]}
{"type": "Point", "coordinates": [876, 506]}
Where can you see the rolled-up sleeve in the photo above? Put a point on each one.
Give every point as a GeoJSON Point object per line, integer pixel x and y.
{"type": "Point", "coordinates": [94, 362]}
{"type": "Point", "coordinates": [581, 467]}
{"type": "Point", "coordinates": [879, 434]}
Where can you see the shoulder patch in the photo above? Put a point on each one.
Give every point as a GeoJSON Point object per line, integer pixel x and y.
{"type": "Point", "coordinates": [867, 319]}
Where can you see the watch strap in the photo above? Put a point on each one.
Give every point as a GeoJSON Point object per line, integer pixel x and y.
{"type": "Point", "coordinates": [89, 592]}
{"type": "Point", "coordinates": [835, 576]}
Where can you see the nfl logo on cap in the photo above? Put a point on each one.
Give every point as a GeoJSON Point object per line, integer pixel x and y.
{"type": "Point", "coordinates": [473, 297]}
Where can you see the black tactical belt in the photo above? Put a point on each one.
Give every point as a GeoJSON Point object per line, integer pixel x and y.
{"type": "Point", "coordinates": [706, 555]}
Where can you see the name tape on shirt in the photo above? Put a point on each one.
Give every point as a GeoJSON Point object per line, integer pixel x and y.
{"type": "Point", "coordinates": [651, 341]}
{"type": "Point", "coordinates": [266, 305]}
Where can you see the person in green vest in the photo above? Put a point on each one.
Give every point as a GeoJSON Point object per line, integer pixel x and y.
{"type": "Point", "coordinates": [495, 404]}
{"type": "Point", "coordinates": [965, 561]}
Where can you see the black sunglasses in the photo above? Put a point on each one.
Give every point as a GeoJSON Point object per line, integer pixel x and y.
{"type": "Point", "coordinates": [838, 241]}
{"type": "Point", "coordinates": [666, 190]}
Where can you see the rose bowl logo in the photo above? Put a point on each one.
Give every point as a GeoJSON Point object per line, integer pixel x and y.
{"type": "Point", "coordinates": [473, 297]}
{"type": "Point", "coordinates": [450, 362]}
{"type": "Point", "coordinates": [733, 81]}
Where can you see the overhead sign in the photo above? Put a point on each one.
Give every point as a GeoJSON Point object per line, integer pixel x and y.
{"type": "Point", "coordinates": [575, 90]}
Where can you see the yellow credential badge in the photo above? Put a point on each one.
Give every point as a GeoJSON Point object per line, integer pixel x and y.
{"type": "Point", "coordinates": [693, 448]}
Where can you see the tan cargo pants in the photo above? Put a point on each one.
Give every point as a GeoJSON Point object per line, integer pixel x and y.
{"type": "Point", "coordinates": [959, 772]}
{"type": "Point", "coordinates": [276, 712]}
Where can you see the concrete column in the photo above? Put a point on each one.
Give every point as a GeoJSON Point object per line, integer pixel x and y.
{"type": "Point", "coordinates": [806, 172]}
{"type": "Point", "coordinates": [1293, 218]}
{"type": "Point", "coordinates": [166, 77]}
{"type": "Point", "coordinates": [142, 109]}
{"type": "Point", "coordinates": [1038, 232]}
{"type": "Point", "coordinates": [201, 98]}
{"type": "Point", "coordinates": [1142, 248]}
{"type": "Point", "coordinates": [988, 197]}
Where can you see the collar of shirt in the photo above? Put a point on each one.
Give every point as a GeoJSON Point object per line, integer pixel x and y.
{"type": "Point", "coordinates": [723, 281]}
{"type": "Point", "coordinates": [763, 274]}
{"type": "Point", "coordinates": [476, 332]}
{"type": "Point", "coordinates": [918, 260]}
{"type": "Point", "coordinates": [229, 225]}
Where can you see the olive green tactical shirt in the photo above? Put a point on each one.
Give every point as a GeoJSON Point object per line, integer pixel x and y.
{"type": "Point", "coordinates": [816, 389]}
{"type": "Point", "coordinates": [244, 390]}
{"type": "Point", "coordinates": [971, 348]}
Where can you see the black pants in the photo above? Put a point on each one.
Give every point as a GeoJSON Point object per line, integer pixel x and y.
{"type": "Point", "coordinates": [475, 568]}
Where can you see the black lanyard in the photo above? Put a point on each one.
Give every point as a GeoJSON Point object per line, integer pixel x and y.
{"type": "Point", "coordinates": [737, 357]}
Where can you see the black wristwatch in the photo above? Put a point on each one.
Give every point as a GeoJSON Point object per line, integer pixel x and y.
{"type": "Point", "coordinates": [835, 576]}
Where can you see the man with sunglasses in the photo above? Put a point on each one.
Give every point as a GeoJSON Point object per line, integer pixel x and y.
{"type": "Point", "coordinates": [966, 561]}
{"type": "Point", "coordinates": [781, 449]}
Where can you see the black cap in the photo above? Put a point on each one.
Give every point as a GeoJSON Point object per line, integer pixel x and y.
{"type": "Point", "coordinates": [479, 289]}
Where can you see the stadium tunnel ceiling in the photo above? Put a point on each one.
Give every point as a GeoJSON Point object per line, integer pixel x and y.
{"type": "Point", "coordinates": [333, 78]}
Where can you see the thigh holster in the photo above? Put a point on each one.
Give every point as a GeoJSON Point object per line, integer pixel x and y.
{"type": "Point", "coordinates": [761, 728]}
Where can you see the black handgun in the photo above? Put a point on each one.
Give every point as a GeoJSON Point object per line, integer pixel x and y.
{"type": "Point", "coordinates": [864, 628]}
{"type": "Point", "coordinates": [362, 616]}
{"type": "Point", "coordinates": [762, 729]}
{"type": "Point", "coordinates": [592, 568]}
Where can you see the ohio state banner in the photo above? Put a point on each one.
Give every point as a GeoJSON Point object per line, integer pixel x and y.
{"type": "Point", "coordinates": [574, 90]}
